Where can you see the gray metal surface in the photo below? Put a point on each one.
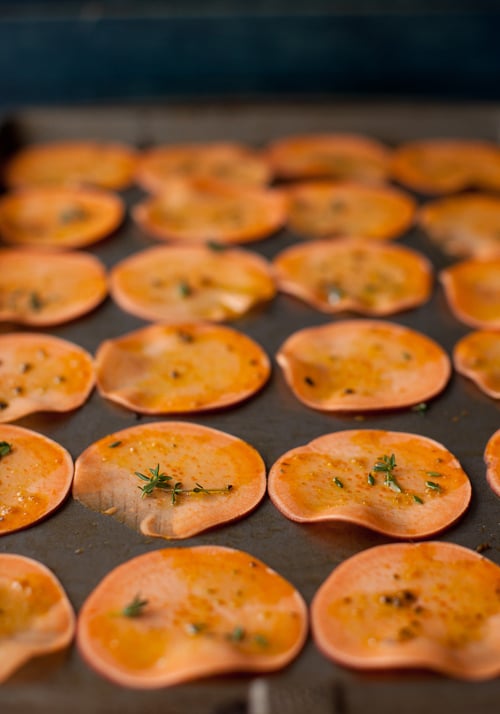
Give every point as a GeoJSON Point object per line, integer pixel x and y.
{"type": "Point", "coordinates": [82, 546]}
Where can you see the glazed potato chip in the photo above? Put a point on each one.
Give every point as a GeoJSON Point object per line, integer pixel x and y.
{"type": "Point", "coordinates": [492, 459]}
{"type": "Point", "coordinates": [472, 291]}
{"type": "Point", "coordinates": [189, 367]}
{"type": "Point", "coordinates": [363, 365]}
{"type": "Point", "coordinates": [412, 605]}
{"type": "Point", "coordinates": [179, 283]}
{"type": "Point", "coordinates": [170, 479]}
{"type": "Point", "coordinates": [477, 356]}
{"type": "Point", "coordinates": [36, 617]}
{"type": "Point", "coordinates": [55, 218]}
{"type": "Point", "coordinates": [181, 614]}
{"type": "Point", "coordinates": [357, 275]}
{"type": "Point", "coordinates": [402, 485]}
{"type": "Point", "coordinates": [327, 209]}
{"type": "Point", "coordinates": [200, 210]}
{"type": "Point", "coordinates": [37, 288]}
{"type": "Point", "coordinates": [39, 372]}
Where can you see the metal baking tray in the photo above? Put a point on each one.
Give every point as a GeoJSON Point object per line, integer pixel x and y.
{"type": "Point", "coordinates": [82, 546]}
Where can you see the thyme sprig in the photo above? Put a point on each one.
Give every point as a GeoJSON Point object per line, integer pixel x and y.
{"type": "Point", "coordinates": [135, 607]}
{"type": "Point", "coordinates": [386, 465]}
{"type": "Point", "coordinates": [161, 481]}
{"type": "Point", "coordinates": [5, 448]}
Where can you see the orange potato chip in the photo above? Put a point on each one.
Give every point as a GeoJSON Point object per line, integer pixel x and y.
{"type": "Point", "coordinates": [492, 460]}
{"type": "Point", "coordinates": [170, 479]}
{"type": "Point", "coordinates": [52, 218]}
{"type": "Point", "coordinates": [36, 617]}
{"type": "Point", "coordinates": [412, 605]}
{"type": "Point", "coordinates": [65, 163]}
{"type": "Point", "coordinates": [35, 477]}
{"type": "Point", "coordinates": [327, 209]}
{"type": "Point", "coordinates": [39, 372]}
{"type": "Point", "coordinates": [351, 274]}
{"type": "Point", "coordinates": [180, 614]}
{"type": "Point", "coordinates": [477, 356]}
{"type": "Point", "coordinates": [472, 291]}
{"type": "Point", "coordinates": [199, 210]}
{"type": "Point", "coordinates": [402, 485]}
{"type": "Point", "coordinates": [363, 365]}
{"type": "Point", "coordinates": [173, 369]}
{"type": "Point", "coordinates": [37, 288]}
{"type": "Point", "coordinates": [179, 283]}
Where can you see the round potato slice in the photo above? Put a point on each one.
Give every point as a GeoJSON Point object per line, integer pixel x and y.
{"type": "Point", "coordinates": [424, 605]}
{"type": "Point", "coordinates": [170, 479]}
{"type": "Point", "coordinates": [492, 459]}
{"type": "Point", "coordinates": [37, 288]}
{"type": "Point", "coordinates": [339, 156]}
{"type": "Point", "coordinates": [328, 209]}
{"type": "Point", "coordinates": [477, 356]}
{"type": "Point", "coordinates": [466, 226]}
{"type": "Point", "coordinates": [52, 218]}
{"type": "Point", "coordinates": [35, 477]}
{"type": "Point", "coordinates": [172, 369]}
{"type": "Point", "coordinates": [201, 210]}
{"type": "Point", "coordinates": [357, 275]}
{"type": "Point", "coordinates": [36, 617]}
{"type": "Point", "coordinates": [65, 163]}
{"type": "Point", "coordinates": [232, 163]}
{"type": "Point", "coordinates": [179, 283]}
{"type": "Point", "coordinates": [472, 291]}
{"type": "Point", "coordinates": [363, 365]}
{"type": "Point", "coordinates": [402, 485]}
{"type": "Point", "coordinates": [39, 372]}
{"type": "Point", "coordinates": [180, 614]}
{"type": "Point", "coordinates": [439, 166]}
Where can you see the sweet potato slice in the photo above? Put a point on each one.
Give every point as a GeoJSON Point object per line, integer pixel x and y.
{"type": "Point", "coordinates": [189, 367]}
{"type": "Point", "coordinates": [50, 218]}
{"type": "Point", "coordinates": [339, 156]}
{"type": "Point", "coordinates": [201, 210]}
{"type": "Point", "coordinates": [37, 288]}
{"type": "Point", "coordinates": [439, 166]}
{"type": "Point", "coordinates": [466, 226]}
{"type": "Point", "coordinates": [402, 485]}
{"type": "Point", "coordinates": [472, 290]}
{"type": "Point", "coordinates": [363, 365]}
{"type": "Point", "coordinates": [424, 605]}
{"type": "Point", "coordinates": [492, 459]}
{"type": "Point", "coordinates": [39, 372]}
{"type": "Point", "coordinates": [351, 274]}
{"type": "Point", "coordinates": [327, 209]}
{"type": "Point", "coordinates": [36, 617]}
{"type": "Point", "coordinates": [180, 614]}
{"type": "Point", "coordinates": [178, 283]}
{"type": "Point", "coordinates": [65, 163]}
{"type": "Point", "coordinates": [210, 478]}
{"type": "Point", "coordinates": [477, 356]}
{"type": "Point", "coordinates": [35, 477]}
{"type": "Point", "coordinates": [233, 163]}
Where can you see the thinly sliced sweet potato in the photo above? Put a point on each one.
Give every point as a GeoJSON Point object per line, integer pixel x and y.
{"type": "Point", "coordinates": [492, 459]}
{"type": "Point", "coordinates": [363, 365]}
{"type": "Point", "coordinates": [324, 209]}
{"type": "Point", "coordinates": [37, 288]}
{"type": "Point", "coordinates": [229, 162]}
{"type": "Point", "coordinates": [179, 283]}
{"type": "Point", "coordinates": [477, 356]}
{"type": "Point", "coordinates": [65, 163]}
{"type": "Point", "coordinates": [467, 226]}
{"type": "Point", "coordinates": [425, 605]}
{"type": "Point", "coordinates": [210, 478]}
{"type": "Point", "coordinates": [201, 210]}
{"type": "Point", "coordinates": [39, 372]}
{"type": "Point", "coordinates": [172, 369]}
{"type": "Point", "coordinates": [339, 156]}
{"type": "Point", "coordinates": [472, 290]}
{"type": "Point", "coordinates": [439, 166]}
{"type": "Point", "coordinates": [351, 274]}
{"type": "Point", "coordinates": [55, 218]}
{"type": "Point", "coordinates": [175, 615]}
{"type": "Point", "coordinates": [35, 477]}
{"type": "Point", "coordinates": [402, 485]}
{"type": "Point", "coordinates": [36, 617]}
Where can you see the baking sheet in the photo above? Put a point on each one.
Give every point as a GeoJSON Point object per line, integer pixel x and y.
{"type": "Point", "coordinates": [81, 546]}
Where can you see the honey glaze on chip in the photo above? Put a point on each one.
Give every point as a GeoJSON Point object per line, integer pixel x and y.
{"type": "Point", "coordinates": [472, 291]}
